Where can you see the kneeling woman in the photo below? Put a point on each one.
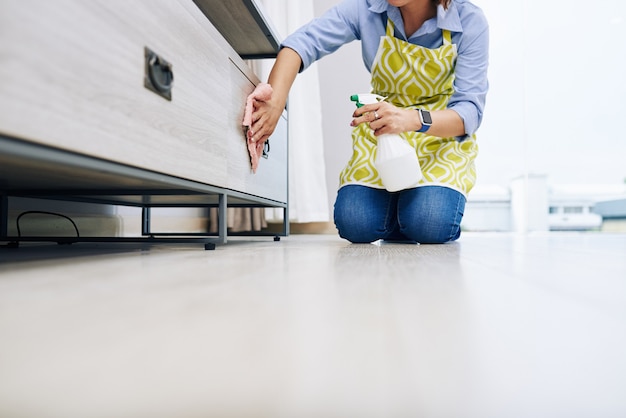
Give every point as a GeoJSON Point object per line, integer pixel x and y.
{"type": "Point", "coordinates": [429, 59]}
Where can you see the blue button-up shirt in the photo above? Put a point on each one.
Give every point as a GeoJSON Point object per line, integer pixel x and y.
{"type": "Point", "coordinates": [366, 20]}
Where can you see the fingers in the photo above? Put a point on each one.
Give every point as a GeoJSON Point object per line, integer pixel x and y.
{"type": "Point", "coordinates": [384, 118]}
{"type": "Point", "coordinates": [260, 135]}
{"type": "Point", "coordinates": [363, 110]}
{"type": "Point", "coordinates": [262, 126]}
{"type": "Point", "coordinates": [367, 114]}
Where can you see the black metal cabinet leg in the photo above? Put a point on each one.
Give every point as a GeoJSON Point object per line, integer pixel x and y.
{"type": "Point", "coordinates": [145, 220]}
{"type": "Point", "coordinates": [4, 216]}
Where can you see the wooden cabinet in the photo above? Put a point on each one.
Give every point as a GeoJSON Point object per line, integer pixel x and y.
{"type": "Point", "coordinates": [74, 78]}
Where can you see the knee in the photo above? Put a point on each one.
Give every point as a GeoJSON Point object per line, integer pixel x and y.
{"type": "Point", "coordinates": [431, 215]}
{"type": "Point", "coordinates": [432, 229]}
{"type": "Point", "coordinates": [433, 237]}
{"type": "Point", "coordinates": [354, 225]}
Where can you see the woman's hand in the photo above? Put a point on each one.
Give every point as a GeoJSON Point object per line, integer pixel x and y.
{"type": "Point", "coordinates": [385, 118]}
{"type": "Point", "coordinates": [266, 114]}
{"type": "Point", "coordinates": [265, 117]}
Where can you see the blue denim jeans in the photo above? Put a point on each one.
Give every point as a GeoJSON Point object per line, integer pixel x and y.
{"type": "Point", "coordinates": [427, 214]}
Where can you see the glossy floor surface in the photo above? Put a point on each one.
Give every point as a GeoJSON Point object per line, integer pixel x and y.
{"type": "Point", "coordinates": [494, 325]}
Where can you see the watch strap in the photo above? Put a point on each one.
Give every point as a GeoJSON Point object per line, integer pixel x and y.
{"type": "Point", "coordinates": [425, 126]}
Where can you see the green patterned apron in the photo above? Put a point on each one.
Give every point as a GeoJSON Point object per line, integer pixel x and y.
{"type": "Point", "coordinates": [412, 76]}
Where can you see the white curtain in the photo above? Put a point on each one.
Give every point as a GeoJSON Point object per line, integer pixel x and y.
{"type": "Point", "coordinates": [308, 197]}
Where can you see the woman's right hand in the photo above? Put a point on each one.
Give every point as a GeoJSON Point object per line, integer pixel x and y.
{"type": "Point", "coordinates": [265, 117]}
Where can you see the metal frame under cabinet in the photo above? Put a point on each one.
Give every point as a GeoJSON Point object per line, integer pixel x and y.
{"type": "Point", "coordinates": [37, 171]}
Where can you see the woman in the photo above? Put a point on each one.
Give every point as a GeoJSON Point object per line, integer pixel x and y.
{"type": "Point", "coordinates": [429, 58]}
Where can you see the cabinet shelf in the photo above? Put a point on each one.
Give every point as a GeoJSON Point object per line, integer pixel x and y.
{"type": "Point", "coordinates": [244, 25]}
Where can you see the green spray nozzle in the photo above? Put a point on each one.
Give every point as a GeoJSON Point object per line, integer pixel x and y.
{"type": "Point", "coordinates": [366, 98]}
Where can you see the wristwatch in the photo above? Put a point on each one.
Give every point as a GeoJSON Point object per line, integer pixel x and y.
{"type": "Point", "coordinates": [426, 120]}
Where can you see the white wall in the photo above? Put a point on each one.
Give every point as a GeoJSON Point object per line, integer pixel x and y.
{"type": "Point", "coordinates": [341, 75]}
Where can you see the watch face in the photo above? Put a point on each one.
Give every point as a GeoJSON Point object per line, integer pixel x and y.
{"type": "Point", "coordinates": [426, 117]}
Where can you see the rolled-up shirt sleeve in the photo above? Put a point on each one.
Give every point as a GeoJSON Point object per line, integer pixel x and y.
{"type": "Point", "coordinates": [471, 83]}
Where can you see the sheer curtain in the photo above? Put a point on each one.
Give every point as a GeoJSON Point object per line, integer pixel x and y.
{"type": "Point", "coordinates": [308, 197]}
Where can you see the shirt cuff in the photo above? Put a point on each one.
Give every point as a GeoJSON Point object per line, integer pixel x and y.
{"type": "Point", "coordinates": [468, 113]}
{"type": "Point", "coordinates": [306, 61]}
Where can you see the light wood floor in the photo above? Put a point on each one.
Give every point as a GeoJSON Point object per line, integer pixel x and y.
{"type": "Point", "coordinates": [495, 325]}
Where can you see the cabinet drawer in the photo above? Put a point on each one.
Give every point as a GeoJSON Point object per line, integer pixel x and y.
{"type": "Point", "coordinates": [72, 76]}
{"type": "Point", "coordinates": [270, 180]}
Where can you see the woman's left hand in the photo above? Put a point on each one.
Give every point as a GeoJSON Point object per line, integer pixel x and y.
{"type": "Point", "coordinates": [385, 118]}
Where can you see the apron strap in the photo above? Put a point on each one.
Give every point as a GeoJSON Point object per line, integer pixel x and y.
{"type": "Point", "coordinates": [391, 29]}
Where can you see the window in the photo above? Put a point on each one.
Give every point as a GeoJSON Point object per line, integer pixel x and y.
{"type": "Point", "coordinates": [573, 209]}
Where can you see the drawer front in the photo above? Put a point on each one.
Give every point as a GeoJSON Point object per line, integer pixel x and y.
{"type": "Point", "coordinates": [72, 76]}
{"type": "Point", "coordinates": [270, 180]}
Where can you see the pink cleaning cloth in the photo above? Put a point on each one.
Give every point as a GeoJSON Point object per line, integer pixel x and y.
{"type": "Point", "coordinates": [262, 92]}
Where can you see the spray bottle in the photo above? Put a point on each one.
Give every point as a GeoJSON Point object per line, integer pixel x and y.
{"type": "Point", "coordinates": [396, 160]}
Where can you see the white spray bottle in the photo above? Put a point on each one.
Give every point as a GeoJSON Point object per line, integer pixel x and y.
{"type": "Point", "coordinates": [396, 160]}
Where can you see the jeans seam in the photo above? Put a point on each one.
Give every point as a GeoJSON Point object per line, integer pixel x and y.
{"type": "Point", "coordinates": [387, 229]}
{"type": "Point", "coordinates": [457, 222]}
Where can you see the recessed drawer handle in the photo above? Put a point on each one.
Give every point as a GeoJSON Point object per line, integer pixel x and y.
{"type": "Point", "coordinates": [266, 149]}
{"type": "Point", "coordinates": [159, 75]}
